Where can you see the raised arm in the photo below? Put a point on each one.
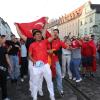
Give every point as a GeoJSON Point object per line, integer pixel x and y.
{"type": "Point", "coordinates": [45, 27]}
{"type": "Point", "coordinates": [20, 34]}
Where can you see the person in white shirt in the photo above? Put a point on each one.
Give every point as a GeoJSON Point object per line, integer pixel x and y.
{"type": "Point", "coordinates": [66, 58]}
{"type": "Point", "coordinates": [24, 61]}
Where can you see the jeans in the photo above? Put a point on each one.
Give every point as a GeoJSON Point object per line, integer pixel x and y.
{"type": "Point", "coordinates": [24, 66]}
{"type": "Point", "coordinates": [15, 67]}
{"type": "Point", "coordinates": [74, 65]}
{"type": "Point", "coordinates": [59, 77]}
{"type": "Point", "coordinates": [66, 58]}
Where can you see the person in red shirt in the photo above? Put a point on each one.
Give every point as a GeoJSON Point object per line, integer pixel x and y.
{"type": "Point", "coordinates": [87, 52]}
{"type": "Point", "coordinates": [98, 50]}
{"type": "Point", "coordinates": [39, 56]}
{"type": "Point", "coordinates": [93, 44]}
{"type": "Point", "coordinates": [57, 46]}
{"type": "Point", "coordinates": [27, 28]}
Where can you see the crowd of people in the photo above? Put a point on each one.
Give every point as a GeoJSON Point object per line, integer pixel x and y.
{"type": "Point", "coordinates": [46, 58]}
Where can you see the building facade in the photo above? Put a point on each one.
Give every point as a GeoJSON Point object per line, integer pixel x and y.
{"type": "Point", "coordinates": [89, 21]}
{"type": "Point", "coordinates": [5, 29]}
{"type": "Point", "coordinates": [83, 20]}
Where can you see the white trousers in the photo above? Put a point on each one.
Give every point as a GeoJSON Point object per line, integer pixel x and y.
{"type": "Point", "coordinates": [38, 73]}
{"type": "Point", "coordinates": [66, 59]}
{"type": "Point", "coordinates": [30, 69]}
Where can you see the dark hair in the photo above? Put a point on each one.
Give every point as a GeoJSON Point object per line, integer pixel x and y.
{"type": "Point", "coordinates": [34, 31]}
{"type": "Point", "coordinates": [3, 36]}
{"type": "Point", "coordinates": [56, 30]}
{"type": "Point", "coordinates": [12, 35]}
{"type": "Point", "coordinates": [92, 36]}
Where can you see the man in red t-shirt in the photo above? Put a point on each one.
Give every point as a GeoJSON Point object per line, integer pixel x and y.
{"type": "Point", "coordinates": [88, 53]}
{"type": "Point", "coordinates": [39, 56]}
{"type": "Point", "coordinates": [57, 46]}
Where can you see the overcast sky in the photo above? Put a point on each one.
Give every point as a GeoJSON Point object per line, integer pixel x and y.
{"type": "Point", "coordinates": [28, 10]}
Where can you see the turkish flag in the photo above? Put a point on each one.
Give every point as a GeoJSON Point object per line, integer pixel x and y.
{"type": "Point", "coordinates": [26, 28]}
{"type": "Point", "coordinates": [47, 35]}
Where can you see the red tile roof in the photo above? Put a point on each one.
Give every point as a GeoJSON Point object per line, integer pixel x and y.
{"type": "Point", "coordinates": [74, 14]}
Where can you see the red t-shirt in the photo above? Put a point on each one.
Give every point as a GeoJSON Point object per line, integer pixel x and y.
{"type": "Point", "coordinates": [87, 49]}
{"type": "Point", "coordinates": [75, 44]}
{"type": "Point", "coordinates": [56, 44]}
{"type": "Point", "coordinates": [39, 51]}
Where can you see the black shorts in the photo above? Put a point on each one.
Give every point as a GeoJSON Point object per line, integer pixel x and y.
{"type": "Point", "coordinates": [87, 61]}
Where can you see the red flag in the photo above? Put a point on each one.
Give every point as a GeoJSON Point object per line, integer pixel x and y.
{"type": "Point", "coordinates": [47, 34]}
{"type": "Point", "coordinates": [26, 28]}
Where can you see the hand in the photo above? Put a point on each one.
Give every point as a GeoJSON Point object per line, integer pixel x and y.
{"type": "Point", "coordinates": [10, 69]}
{"type": "Point", "coordinates": [10, 47]}
{"type": "Point", "coordinates": [50, 51]}
{"type": "Point", "coordinates": [34, 62]}
{"type": "Point", "coordinates": [16, 45]}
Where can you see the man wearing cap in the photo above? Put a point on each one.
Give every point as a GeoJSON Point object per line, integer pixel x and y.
{"type": "Point", "coordinates": [28, 42]}
{"type": "Point", "coordinates": [39, 56]}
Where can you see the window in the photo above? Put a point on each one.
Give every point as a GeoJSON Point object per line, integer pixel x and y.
{"type": "Point", "coordinates": [91, 29]}
{"type": "Point", "coordinates": [81, 23]}
{"type": "Point", "coordinates": [85, 30]}
{"type": "Point", "coordinates": [85, 21]}
{"type": "Point", "coordinates": [91, 20]}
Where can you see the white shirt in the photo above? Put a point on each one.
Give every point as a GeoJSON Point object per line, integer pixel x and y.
{"type": "Point", "coordinates": [23, 51]}
{"type": "Point", "coordinates": [66, 51]}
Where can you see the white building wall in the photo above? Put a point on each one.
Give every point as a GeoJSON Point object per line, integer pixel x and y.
{"type": "Point", "coordinates": [5, 29]}
{"type": "Point", "coordinates": [86, 20]}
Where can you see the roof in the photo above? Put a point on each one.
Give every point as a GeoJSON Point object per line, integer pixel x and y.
{"type": "Point", "coordinates": [74, 14]}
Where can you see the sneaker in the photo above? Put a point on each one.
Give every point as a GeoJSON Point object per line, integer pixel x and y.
{"type": "Point", "coordinates": [74, 78]}
{"type": "Point", "coordinates": [34, 98]}
{"type": "Point", "coordinates": [92, 75]}
{"type": "Point", "coordinates": [52, 98]}
{"type": "Point", "coordinates": [41, 93]}
{"type": "Point", "coordinates": [6, 99]}
{"type": "Point", "coordinates": [63, 76]}
{"type": "Point", "coordinates": [25, 76]}
{"type": "Point", "coordinates": [79, 80]}
{"type": "Point", "coordinates": [70, 77]}
{"type": "Point", "coordinates": [22, 80]}
{"type": "Point", "coordinates": [62, 93]}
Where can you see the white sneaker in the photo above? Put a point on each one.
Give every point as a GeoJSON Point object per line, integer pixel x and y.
{"type": "Point", "coordinates": [63, 76]}
{"type": "Point", "coordinates": [22, 80]}
{"type": "Point", "coordinates": [70, 77]}
{"type": "Point", "coordinates": [52, 98]}
{"type": "Point", "coordinates": [6, 99]}
{"type": "Point", "coordinates": [74, 78]}
{"type": "Point", "coordinates": [34, 99]}
{"type": "Point", "coordinates": [25, 76]}
{"type": "Point", "coordinates": [79, 80]}
{"type": "Point", "coordinates": [41, 93]}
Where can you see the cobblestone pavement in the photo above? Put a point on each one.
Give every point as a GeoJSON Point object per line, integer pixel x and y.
{"type": "Point", "coordinates": [90, 87]}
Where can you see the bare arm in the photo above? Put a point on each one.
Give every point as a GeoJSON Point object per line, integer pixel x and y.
{"type": "Point", "coordinates": [45, 27]}
{"type": "Point", "coordinates": [9, 48]}
{"type": "Point", "coordinates": [30, 57]}
{"type": "Point", "coordinates": [20, 34]}
{"type": "Point", "coordinates": [9, 63]}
